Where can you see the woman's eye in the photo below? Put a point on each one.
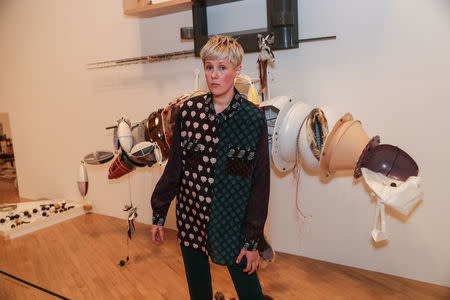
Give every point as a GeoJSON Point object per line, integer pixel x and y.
{"type": "Point", "coordinates": [208, 68]}
{"type": "Point", "coordinates": [222, 68]}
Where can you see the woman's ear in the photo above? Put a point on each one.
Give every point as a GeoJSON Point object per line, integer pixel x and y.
{"type": "Point", "coordinates": [237, 70]}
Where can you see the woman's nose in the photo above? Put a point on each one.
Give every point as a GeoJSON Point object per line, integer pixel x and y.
{"type": "Point", "coordinates": [214, 73]}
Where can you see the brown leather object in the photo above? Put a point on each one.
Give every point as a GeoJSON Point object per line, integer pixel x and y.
{"type": "Point", "coordinates": [169, 114]}
{"type": "Point", "coordinates": [391, 161]}
{"type": "Point", "coordinates": [159, 125]}
{"type": "Point", "coordinates": [154, 132]}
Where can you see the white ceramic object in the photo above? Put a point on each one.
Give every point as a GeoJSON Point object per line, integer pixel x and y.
{"type": "Point", "coordinates": [279, 134]}
{"type": "Point", "coordinates": [144, 153]}
{"type": "Point", "coordinates": [271, 109]}
{"type": "Point", "coordinates": [158, 154]}
{"type": "Point", "coordinates": [124, 135]}
{"type": "Point", "coordinates": [142, 149]}
{"type": "Point", "coordinates": [289, 132]}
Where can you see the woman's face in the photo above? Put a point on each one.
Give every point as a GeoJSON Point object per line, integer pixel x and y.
{"type": "Point", "coordinates": [220, 75]}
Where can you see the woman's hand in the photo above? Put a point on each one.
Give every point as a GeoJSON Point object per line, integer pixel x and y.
{"type": "Point", "coordinates": [157, 234]}
{"type": "Point", "coordinates": [252, 260]}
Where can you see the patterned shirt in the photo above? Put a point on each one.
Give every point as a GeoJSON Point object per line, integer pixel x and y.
{"type": "Point", "coordinates": [218, 168]}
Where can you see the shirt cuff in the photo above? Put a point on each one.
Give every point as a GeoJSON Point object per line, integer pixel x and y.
{"type": "Point", "coordinates": [250, 245]}
{"type": "Point", "coordinates": [158, 219]}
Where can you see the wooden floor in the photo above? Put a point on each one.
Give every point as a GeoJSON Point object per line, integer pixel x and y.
{"type": "Point", "coordinates": [79, 259]}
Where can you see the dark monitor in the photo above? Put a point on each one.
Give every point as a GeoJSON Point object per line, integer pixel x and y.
{"type": "Point", "coordinates": [282, 20]}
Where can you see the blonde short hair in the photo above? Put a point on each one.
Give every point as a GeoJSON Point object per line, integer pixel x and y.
{"type": "Point", "coordinates": [220, 47]}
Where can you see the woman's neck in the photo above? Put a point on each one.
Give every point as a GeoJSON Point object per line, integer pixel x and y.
{"type": "Point", "coordinates": [222, 101]}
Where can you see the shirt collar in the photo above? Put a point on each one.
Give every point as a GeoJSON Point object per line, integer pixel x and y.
{"type": "Point", "coordinates": [228, 112]}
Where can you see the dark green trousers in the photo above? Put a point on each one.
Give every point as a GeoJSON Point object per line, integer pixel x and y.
{"type": "Point", "coordinates": [196, 265]}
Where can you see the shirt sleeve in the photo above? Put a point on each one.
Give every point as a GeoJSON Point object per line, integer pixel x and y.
{"type": "Point", "coordinates": [259, 196]}
{"type": "Point", "coordinates": [168, 184]}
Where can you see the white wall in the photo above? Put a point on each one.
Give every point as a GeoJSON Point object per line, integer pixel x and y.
{"type": "Point", "coordinates": [390, 67]}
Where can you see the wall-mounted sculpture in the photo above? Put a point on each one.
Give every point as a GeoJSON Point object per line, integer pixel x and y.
{"type": "Point", "coordinates": [326, 145]}
{"type": "Point", "coordinates": [317, 139]}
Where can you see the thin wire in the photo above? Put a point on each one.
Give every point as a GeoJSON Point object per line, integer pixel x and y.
{"type": "Point", "coordinates": [129, 189]}
{"type": "Point", "coordinates": [131, 203]}
{"type": "Point", "coordinates": [297, 178]}
{"type": "Point", "coordinates": [128, 249]}
{"type": "Point", "coordinates": [141, 60]}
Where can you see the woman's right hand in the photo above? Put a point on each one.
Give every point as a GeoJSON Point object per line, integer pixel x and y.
{"type": "Point", "coordinates": [157, 234]}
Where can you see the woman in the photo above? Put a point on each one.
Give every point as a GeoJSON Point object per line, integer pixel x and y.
{"type": "Point", "coordinates": [218, 169]}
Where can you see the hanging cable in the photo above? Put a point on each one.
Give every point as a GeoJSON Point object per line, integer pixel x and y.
{"type": "Point", "coordinates": [132, 214]}
{"type": "Point", "coordinates": [296, 174]}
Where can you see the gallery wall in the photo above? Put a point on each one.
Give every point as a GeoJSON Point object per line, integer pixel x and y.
{"type": "Point", "coordinates": [389, 67]}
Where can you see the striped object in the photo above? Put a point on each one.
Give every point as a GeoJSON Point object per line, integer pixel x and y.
{"type": "Point", "coordinates": [121, 166]}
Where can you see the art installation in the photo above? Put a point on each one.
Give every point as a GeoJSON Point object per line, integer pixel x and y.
{"type": "Point", "coordinates": [393, 177]}
{"type": "Point", "coordinates": [342, 146]}
{"type": "Point", "coordinates": [132, 214]}
{"type": "Point", "coordinates": [25, 217]}
{"type": "Point", "coordinates": [316, 139]}
{"type": "Point", "coordinates": [98, 157]}
{"type": "Point", "coordinates": [265, 58]}
{"type": "Point", "coordinates": [124, 134]}
{"type": "Point", "coordinates": [313, 134]}
{"type": "Point", "coordinates": [326, 145]}
{"type": "Point", "coordinates": [286, 130]}
{"type": "Point", "coordinates": [83, 181]}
